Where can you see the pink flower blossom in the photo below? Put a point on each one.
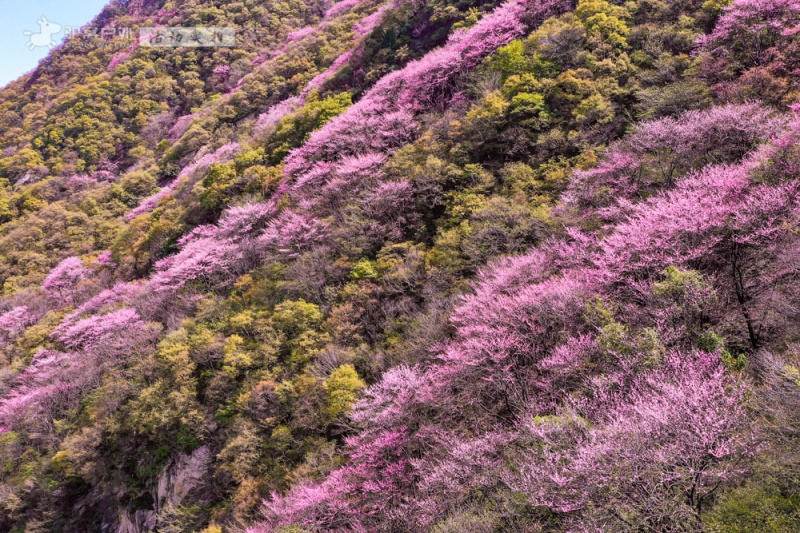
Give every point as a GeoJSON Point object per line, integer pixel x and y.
{"type": "Point", "coordinates": [96, 330]}
{"type": "Point", "coordinates": [14, 322]}
{"type": "Point", "coordinates": [63, 280]}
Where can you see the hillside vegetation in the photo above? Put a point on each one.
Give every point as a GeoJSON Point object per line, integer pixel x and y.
{"type": "Point", "coordinates": [444, 266]}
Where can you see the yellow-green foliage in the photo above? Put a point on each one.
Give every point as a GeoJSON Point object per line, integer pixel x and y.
{"type": "Point", "coordinates": [216, 182]}
{"type": "Point", "coordinates": [241, 454]}
{"type": "Point", "coordinates": [342, 387]}
{"type": "Point", "coordinates": [6, 211]}
{"type": "Point", "coordinates": [510, 59]}
{"type": "Point", "coordinates": [364, 269]}
{"type": "Point", "coordinates": [295, 128]}
{"type": "Point", "coordinates": [621, 341]}
{"type": "Point", "coordinates": [235, 357]}
{"type": "Point", "coordinates": [757, 506]}
{"type": "Point", "coordinates": [37, 336]}
{"type": "Point", "coordinates": [792, 373]}
{"type": "Point", "coordinates": [595, 108]}
{"type": "Point", "coordinates": [296, 316]}
{"type": "Point", "coordinates": [171, 401]}
{"type": "Point", "coordinates": [605, 20]}
{"type": "Point", "coordinates": [138, 183]}
{"type": "Point", "coordinates": [678, 283]}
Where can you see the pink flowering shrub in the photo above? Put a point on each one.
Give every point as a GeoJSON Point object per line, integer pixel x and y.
{"type": "Point", "coordinates": [719, 220]}
{"type": "Point", "coordinates": [384, 118]}
{"type": "Point", "coordinates": [205, 260]}
{"type": "Point", "coordinates": [14, 322]}
{"type": "Point", "coordinates": [105, 176]}
{"type": "Point", "coordinates": [367, 24]}
{"type": "Point", "coordinates": [359, 130]}
{"type": "Point", "coordinates": [222, 71]}
{"type": "Point", "coordinates": [323, 76]}
{"type": "Point", "coordinates": [290, 234]}
{"type": "Point", "coordinates": [79, 182]}
{"type": "Point", "coordinates": [210, 254]}
{"type": "Point", "coordinates": [186, 176]}
{"type": "Point", "coordinates": [699, 137]}
{"type": "Point", "coordinates": [387, 212]}
{"type": "Point", "coordinates": [752, 50]}
{"type": "Point", "coordinates": [151, 202]}
{"type": "Point", "coordinates": [494, 361]}
{"type": "Point", "coordinates": [55, 381]}
{"type": "Point", "coordinates": [573, 377]}
{"type": "Point", "coordinates": [300, 34]}
{"type": "Point", "coordinates": [64, 279]}
{"type": "Point", "coordinates": [659, 152]}
{"type": "Point", "coordinates": [310, 504]}
{"type": "Point", "coordinates": [30, 403]}
{"type": "Point", "coordinates": [392, 400]}
{"type": "Point", "coordinates": [650, 456]}
{"type": "Point", "coordinates": [106, 259]}
{"type": "Point", "coordinates": [378, 476]}
{"type": "Point", "coordinates": [121, 293]}
{"type": "Point", "coordinates": [181, 126]}
{"type": "Point", "coordinates": [340, 7]}
{"type": "Point", "coordinates": [98, 331]}
{"type": "Point", "coordinates": [222, 154]}
{"type": "Point", "coordinates": [272, 117]}
{"type": "Point", "coordinates": [387, 453]}
{"type": "Point", "coordinates": [328, 189]}
{"type": "Point", "coordinates": [245, 220]}
{"type": "Point", "coordinates": [686, 224]}
{"type": "Point", "coordinates": [447, 481]}
{"type": "Point", "coordinates": [748, 29]}
{"type": "Point", "coordinates": [121, 57]}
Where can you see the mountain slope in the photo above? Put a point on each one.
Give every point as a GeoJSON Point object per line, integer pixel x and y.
{"type": "Point", "coordinates": [411, 266]}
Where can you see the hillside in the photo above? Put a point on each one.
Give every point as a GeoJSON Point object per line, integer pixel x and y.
{"type": "Point", "coordinates": [407, 266]}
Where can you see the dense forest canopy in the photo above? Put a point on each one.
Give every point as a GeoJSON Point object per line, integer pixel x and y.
{"type": "Point", "coordinates": [417, 265]}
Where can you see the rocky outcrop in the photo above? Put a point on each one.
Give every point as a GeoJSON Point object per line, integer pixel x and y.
{"type": "Point", "coordinates": [182, 477]}
{"type": "Point", "coordinates": [182, 481]}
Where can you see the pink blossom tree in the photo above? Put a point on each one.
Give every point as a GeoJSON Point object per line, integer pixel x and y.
{"type": "Point", "coordinates": [661, 151]}
{"type": "Point", "coordinates": [207, 261]}
{"type": "Point", "coordinates": [290, 234]}
{"type": "Point", "coordinates": [110, 333]}
{"type": "Point", "coordinates": [384, 118]}
{"type": "Point", "coordinates": [63, 281]}
{"type": "Point", "coordinates": [748, 29]}
{"type": "Point", "coordinates": [187, 176]}
{"type": "Point", "coordinates": [718, 220]}
{"type": "Point", "coordinates": [387, 212]}
{"type": "Point", "coordinates": [650, 458]}
{"type": "Point", "coordinates": [14, 322]}
{"type": "Point", "coordinates": [511, 324]}
{"type": "Point", "coordinates": [753, 45]}
{"type": "Point", "coordinates": [54, 381]}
